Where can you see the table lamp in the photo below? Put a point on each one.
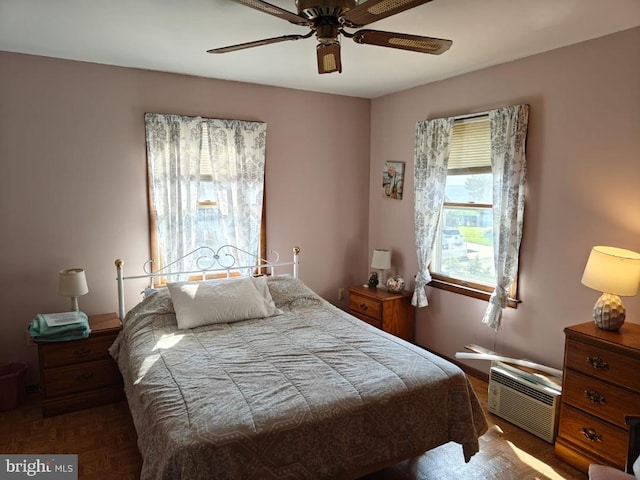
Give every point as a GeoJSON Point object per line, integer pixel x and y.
{"type": "Point", "coordinates": [613, 271]}
{"type": "Point", "coordinates": [381, 261]}
{"type": "Point", "coordinates": [73, 283]}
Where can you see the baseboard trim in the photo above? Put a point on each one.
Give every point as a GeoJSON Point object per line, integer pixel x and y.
{"type": "Point", "coordinates": [474, 372]}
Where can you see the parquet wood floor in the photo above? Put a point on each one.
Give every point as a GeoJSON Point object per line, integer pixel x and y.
{"type": "Point", "coordinates": [105, 440]}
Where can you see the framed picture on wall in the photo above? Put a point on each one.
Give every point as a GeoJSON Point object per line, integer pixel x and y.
{"type": "Point", "coordinates": [393, 180]}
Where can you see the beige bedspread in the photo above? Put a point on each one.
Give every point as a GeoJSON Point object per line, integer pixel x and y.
{"type": "Point", "coordinates": [311, 393]}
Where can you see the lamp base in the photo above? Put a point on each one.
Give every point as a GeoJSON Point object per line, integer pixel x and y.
{"type": "Point", "coordinates": [608, 312]}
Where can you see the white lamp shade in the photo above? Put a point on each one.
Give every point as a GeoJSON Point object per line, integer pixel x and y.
{"type": "Point", "coordinates": [72, 283]}
{"type": "Point", "coordinates": [381, 259]}
{"type": "Point", "coordinates": [613, 270]}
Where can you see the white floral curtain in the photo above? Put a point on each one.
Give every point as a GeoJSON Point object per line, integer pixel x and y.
{"type": "Point", "coordinates": [508, 164]}
{"type": "Point", "coordinates": [173, 153]}
{"type": "Point", "coordinates": [237, 160]}
{"type": "Point", "coordinates": [237, 165]}
{"type": "Point", "coordinates": [433, 139]}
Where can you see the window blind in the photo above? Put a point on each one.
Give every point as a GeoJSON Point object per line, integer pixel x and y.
{"type": "Point", "coordinates": [470, 144]}
{"type": "Point", "coordinates": [205, 156]}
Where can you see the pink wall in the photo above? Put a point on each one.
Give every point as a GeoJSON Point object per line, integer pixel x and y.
{"type": "Point", "coordinates": [583, 153]}
{"type": "Point", "coordinates": [73, 179]}
{"type": "Point", "coordinates": [73, 182]}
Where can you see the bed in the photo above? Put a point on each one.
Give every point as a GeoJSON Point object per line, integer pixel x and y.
{"type": "Point", "coordinates": [308, 392]}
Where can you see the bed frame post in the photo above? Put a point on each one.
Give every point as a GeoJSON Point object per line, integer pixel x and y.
{"type": "Point", "coordinates": [296, 261]}
{"type": "Point", "coordinates": [120, 279]}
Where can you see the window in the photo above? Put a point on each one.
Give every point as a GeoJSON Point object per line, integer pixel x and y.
{"type": "Point", "coordinates": [206, 181]}
{"type": "Point", "coordinates": [463, 256]}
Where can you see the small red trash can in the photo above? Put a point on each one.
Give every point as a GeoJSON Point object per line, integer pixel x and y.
{"type": "Point", "coordinates": [12, 385]}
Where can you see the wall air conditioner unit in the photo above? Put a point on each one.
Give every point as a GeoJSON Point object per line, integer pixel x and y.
{"type": "Point", "coordinates": [522, 398]}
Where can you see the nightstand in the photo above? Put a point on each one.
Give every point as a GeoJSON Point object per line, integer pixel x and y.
{"type": "Point", "coordinates": [80, 374]}
{"type": "Point", "coordinates": [601, 384]}
{"type": "Point", "coordinates": [391, 312]}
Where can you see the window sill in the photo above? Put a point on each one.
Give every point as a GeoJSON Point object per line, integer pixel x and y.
{"type": "Point", "coordinates": [468, 291]}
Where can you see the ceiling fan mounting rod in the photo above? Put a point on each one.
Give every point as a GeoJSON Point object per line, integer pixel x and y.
{"type": "Point", "coordinates": [313, 9]}
{"type": "Point", "coordinates": [327, 30]}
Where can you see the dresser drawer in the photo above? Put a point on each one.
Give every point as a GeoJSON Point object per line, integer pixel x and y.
{"type": "Point", "coordinates": [58, 354]}
{"type": "Point", "coordinates": [600, 398]}
{"type": "Point", "coordinates": [365, 306]}
{"type": "Point", "coordinates": [81, 377]}
{"type": "Point", "coordinates": [593, 435]}
{"type": "Point", "coordinates": [604, 364]}
{"type": "Point", "coordinates": [371, 321]}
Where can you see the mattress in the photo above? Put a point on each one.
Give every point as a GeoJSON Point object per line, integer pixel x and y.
{"type": "Point", "coordinates": [309, 393]}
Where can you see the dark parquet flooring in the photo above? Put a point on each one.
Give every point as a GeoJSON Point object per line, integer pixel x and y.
{"type": "Point", "coordinates": [105, 440]}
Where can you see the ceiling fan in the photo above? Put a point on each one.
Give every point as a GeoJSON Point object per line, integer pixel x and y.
{"type": "Point", "coordinates": [328, 19]}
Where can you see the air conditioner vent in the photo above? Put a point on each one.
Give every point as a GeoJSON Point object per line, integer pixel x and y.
{"type": "Point", "coordinates": [523, 402]}
{"type": "Point", "coordinates": [521, 387]}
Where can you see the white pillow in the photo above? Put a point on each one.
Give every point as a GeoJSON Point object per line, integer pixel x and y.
{"type": "Point", "coordinates": [226, 301]}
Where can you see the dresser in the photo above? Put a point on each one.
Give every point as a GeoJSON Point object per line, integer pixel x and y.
{"type": "Point", "coordinates": [391, 312]}
{"type": "Point", "coordinates": [80, 374]}
{"type": "Point", "coordinates": [601, 384]}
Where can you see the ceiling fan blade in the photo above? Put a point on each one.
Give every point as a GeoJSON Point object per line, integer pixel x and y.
{"type": "Point", "coordinates": [403, 41]}
{"type": "Point", "coordinates": [329, 58]}
{"type": "Point", "coordinates": [374, 10]}
{"type": "Point", "coordinates": [257, 43]}
{"type": "Point", "coordinates": [275, 11]}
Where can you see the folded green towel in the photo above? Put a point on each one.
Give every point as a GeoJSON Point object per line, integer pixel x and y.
{"type": "Point", "coordinates": [41, 332]}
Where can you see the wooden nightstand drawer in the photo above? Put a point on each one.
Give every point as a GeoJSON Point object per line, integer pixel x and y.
{"type": "Point", "coordinates": [595, 436]}
{"type": "Point", "coordinates": [365, 306]}
{"type": "Point", "coordinates": [603, 363]}
{"type": "Point", "coordinates": [75, 351]}
{"type": "Point", "coordinates": [78, 378]}
{"type": "Point", "coordinates": [371, 321]}
{"type": "Point", "coordinates": [599, 398]}
{"type": "Point", "coordinates": [388, 311]}
{"type": "Point", "coordinates": [80, 373]}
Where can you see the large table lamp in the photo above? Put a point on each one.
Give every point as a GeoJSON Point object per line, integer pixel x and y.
{"type": "Point", "coordinates": [615, 272]}
{"type": "Point", "coordinates": [73, 283]}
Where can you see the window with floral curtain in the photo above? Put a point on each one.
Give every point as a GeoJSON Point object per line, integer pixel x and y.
{"type": "Point", "coordinates": [469, 200]}
{"type": "Point", "coordinates": [206, 186]}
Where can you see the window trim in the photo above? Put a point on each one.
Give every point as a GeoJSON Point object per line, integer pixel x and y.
{"type": "Point", "coordinates": [473, 290]}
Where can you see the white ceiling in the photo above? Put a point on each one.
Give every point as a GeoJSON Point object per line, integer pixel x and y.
{"type": "Point", "coordinates": [173, 36]}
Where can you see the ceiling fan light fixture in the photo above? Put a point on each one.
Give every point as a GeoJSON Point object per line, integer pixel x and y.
{"type": "Point", "coordinates": [329, 58]}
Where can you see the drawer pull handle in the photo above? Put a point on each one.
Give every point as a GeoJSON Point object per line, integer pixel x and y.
{"type": "Point", "coordinates": [83, 377]}
{"type": "Point", "coordinates": [81, 352]}
{"type": "Point", "coordinates": [363, 306]}
{"type": "Point", "coordinates": [591, 435]}
{"type": "Point", "coordinates": [597, 363]}
{"type": "Point", "coordinates": [595, 397]}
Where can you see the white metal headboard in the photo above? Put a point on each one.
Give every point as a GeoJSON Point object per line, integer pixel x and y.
{"type": "Point", "coordinates": [208, 261]}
